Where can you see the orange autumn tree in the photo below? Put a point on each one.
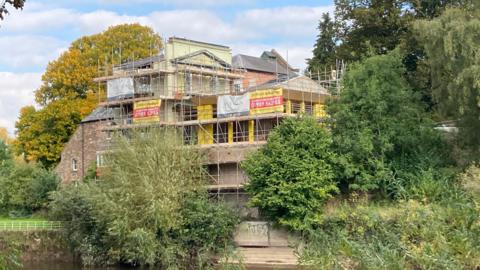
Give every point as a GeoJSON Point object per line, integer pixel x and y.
{"type": "Point", "coordinates": [68, 93]}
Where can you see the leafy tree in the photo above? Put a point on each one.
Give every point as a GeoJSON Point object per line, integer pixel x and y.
{"type": "Point", "coordinates": [451, 43]}
{"type": "Point", "coordinates": [293, 175]}
{"type": "Point", "coordinates": [71, 75]}
{"type": "Point", "coordinates": [25, 187]}
{"type": "Point", "coordinates": [148, 207]}
{"type": "Point", "coordinates": [68, 92]}
{"type": "Point", "coordinates": [324, 50]}
{"type": "Point", "coordinates": [381, 128]}
{"type": "Point", "coordinates": [17, 4]}
{"type": "Point", "coordinates": [42, 134]}
{"type": "Point", "coordinates": [369, 27]}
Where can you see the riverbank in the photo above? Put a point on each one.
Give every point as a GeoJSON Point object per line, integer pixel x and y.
{"type": "Point", "coordinates": [38, 246]}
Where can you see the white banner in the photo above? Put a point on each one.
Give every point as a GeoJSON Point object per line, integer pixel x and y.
{"type": "Point", "coordinates": [121, 87]}
{"type": "Point", "coordinates": [229, 105]}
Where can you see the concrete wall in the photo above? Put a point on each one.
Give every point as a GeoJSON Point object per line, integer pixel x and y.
{"type": "Point", "coordinates": [83, 146]}
{"type": "Point", "coordinates": [227, 174]}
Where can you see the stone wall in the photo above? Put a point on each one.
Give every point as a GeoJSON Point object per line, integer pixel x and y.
{"type": "Point", "coordinates": [83, 146]}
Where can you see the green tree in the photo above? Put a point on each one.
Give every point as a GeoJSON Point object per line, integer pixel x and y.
{"type": "Point", "coordinates": [26, 188]}
{"type": "Point", "coordinates": [369, 27]}
{"type": "Point", "coordinates": [147, 208]}
{"type": "Point", "coordinates": [451, 43]}
{"type": "Point", "coordinates": [380, 125]}
{"type": "Point", "coordinates": [68, 92]}
{"type": "Point", "coordinates": [324, 49]}
{"type": "Point", "coordinates": [292, 176]}
{"type": "Point", "coordinates": [17, 4]}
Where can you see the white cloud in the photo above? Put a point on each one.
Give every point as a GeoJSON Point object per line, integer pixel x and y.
{"type": "Point", "coordinates": [29, 51]}
{"type": "Point", "coordinates": [291, 28]}
{"type": "Point", "coordinates": [38, 20]}
{"type": "Point", "coordinates": [16, 91]}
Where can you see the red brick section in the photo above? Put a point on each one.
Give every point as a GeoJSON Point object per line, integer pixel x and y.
{"type": "Point", "coordinates": [258, 77]}
{"type": "Point", "coordinates": [83, 147]}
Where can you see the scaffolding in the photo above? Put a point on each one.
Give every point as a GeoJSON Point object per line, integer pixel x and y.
{"type": "Point", "coordinates": [187, 90]}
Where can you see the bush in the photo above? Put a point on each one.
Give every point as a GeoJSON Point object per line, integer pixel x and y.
{"type": "Point", "coordinates": [147, 208]}
{"type": "Point", "coordinates": [293, 175]}
{"type": "Point", "coordinates": [26, 188]}
{"type": "Point", "coordinates": [408, 235]}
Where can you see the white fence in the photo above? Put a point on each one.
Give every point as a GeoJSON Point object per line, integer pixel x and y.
{"type": "Point", "coordinates": [27, 225]}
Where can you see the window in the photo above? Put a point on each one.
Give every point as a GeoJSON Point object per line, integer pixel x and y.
{"type": "Point", "coordinates": [74, 165]}
{"type": "Point", "coordinates": [237, 86]}
{"type": "Point", "coordinates": [100, 160]}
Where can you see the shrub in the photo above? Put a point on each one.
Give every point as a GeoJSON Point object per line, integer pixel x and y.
{"type": "Point", "coordinates": [147, 208]}
{"type": "Point", "coordinates": [408, 235]}
{"type": "Point", "coordinates": [26, 188]}
{"type": "Point", "coordinates": [292, 176]}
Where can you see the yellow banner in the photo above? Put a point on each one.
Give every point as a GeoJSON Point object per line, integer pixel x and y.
{"type": "Point", "coordinates": [266, 101]}
{"type": "Point", "coordinates": [266, 93]}
{"type": "Point", "coordinates": [147, 111]}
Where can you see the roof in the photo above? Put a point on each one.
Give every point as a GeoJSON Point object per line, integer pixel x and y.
{"type": "Point", "coordinates": [205, 52]}
{"type": "Point", "coordinates": [257, 63]}
{"type": "Point", "coordinates": [199, 42]}
{"type": "Point", "coordinates": [100, 113]}
{"type": "Point", "coordinates": [141, 62]}
{"type": "Point", "coordinates": [293, 82]}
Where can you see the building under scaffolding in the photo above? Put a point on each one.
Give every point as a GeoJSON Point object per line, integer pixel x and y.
{"type": "Point", "coordinates": [226, 108]}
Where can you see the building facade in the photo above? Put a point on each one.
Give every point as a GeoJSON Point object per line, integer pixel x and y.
{"type": "Point", "coordinates": [226, 106]}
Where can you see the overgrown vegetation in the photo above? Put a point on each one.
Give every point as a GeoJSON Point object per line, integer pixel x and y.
{"type": "Point", "coordinates": [381, 129]}
{"type": "Point", "coordinates": [25, 187]}
{"type": "Point", "coordinates": [407, 201]}
{"type": "Point", "coordinates": [147, 208]}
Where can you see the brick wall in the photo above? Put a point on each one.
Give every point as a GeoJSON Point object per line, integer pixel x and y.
{"type": "Point", "coordinates": [257, 78]}
{"type": "Point", "coordinates": [82, 146]}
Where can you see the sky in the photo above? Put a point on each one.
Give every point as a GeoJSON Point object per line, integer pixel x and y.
{"type": "Point", "coordinates": [39, 33]}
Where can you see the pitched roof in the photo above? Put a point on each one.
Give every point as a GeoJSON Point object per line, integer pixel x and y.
{"type": "Point", "coordinates": [293, 82]}
{"type": "Point", "coordinates": [141, 62]}
{"type": "Point", "coordinates": [258, 64]}
{"type": "Point", "coordinates": [205, 52]}
{"type": "Point", "coordinates": [100, 113]}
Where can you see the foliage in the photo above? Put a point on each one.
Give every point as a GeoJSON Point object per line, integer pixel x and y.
{"type": "Point", "coordinates": [42, 134]}
{"type": "Point", "coordinates": [406, 235]}
{"type": "Point", "coordinates": [324, 48]}
{"type": "Point", "coordinates": [17, 4]}
{"type": "Point", "coordinates": [470, 182]}
{"type": "Point", "coordinates": [9, 255]}
{"type": "Point", "coordinates": [68, 92]}
{"type": "Point", "coordinates": [381, 129]}
{"type": "Point", "coordinates": [451, 43]}
{"type": "Point", "coordinates": [293, 175]}
{"type": "Point", "coordinates": [25, 188]}
{"type": "Point", "coordinates": [148, 207]}
{"type": "Point", "coordinates": [369, 27]}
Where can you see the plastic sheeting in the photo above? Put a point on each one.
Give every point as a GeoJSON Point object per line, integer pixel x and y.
{"type": "Point", "coordinates": [119, 88]}
{"type": "Point", "coordinates": [229, 105]}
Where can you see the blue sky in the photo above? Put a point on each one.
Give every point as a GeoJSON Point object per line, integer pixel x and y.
{"type": "Point", "coordinates": [30, 38]}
